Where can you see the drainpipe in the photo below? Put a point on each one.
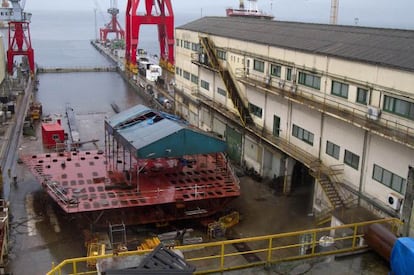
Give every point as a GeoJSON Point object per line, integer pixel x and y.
{"type": "Point", "coordinates": [321, 134]}
{"type": "Point", "coordinates": [364, 155]}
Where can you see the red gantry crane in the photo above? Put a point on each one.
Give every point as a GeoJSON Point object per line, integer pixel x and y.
{"type": "Point", "coordinates": [113, 26]}
{"type": "Point", "coordinates": [157, 12]}
{"type": "Point", "coordinates": [19, 34]}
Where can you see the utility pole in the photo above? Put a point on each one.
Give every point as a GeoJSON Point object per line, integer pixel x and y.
{"type": "Point", "coordinates": [96, 26]}
{"type": "Point", "coordinates": [334, 12]}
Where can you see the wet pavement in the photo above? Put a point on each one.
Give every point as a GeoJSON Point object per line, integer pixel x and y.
{"type": "Point", "coordinates": [41, 234]}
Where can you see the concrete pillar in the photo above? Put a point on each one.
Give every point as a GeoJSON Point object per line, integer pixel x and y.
{"type": "Point", "coordinates": [407, 215]}
{"type": "Point", "coordinates": [287, 183]}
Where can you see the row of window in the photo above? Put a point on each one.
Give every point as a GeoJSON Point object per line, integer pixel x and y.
{"type": "Point", "coordinates": [393, 105]}
{"type": "Point", "coordinates": [187, 75]}
{"type": "Point", "coordinates": [399, 107]}
{"type": "Point", "coordinates": [302, 134]}
{"type": "Point", "coordinates": [187, 45]}
{"type": "Point", "coordinates": [389, 179]}
{"type": "Point", "coordinates": [379, 174]}
{"type": "Point", "coordinates": [350, 158]}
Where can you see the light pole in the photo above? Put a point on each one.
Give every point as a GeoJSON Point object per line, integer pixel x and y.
{"type": "Point", "coordinates": [96, 26]}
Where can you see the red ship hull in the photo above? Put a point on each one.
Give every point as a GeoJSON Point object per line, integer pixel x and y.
{"type": "Point", "coordinates": [84, 184]}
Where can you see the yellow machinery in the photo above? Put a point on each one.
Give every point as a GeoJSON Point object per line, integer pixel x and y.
{"type": "Point", "coordinates": [150, 243]}
{"type": "Point", "coordinates": [94, 249]}
{"type": "Point", "coordinates": [218, 228]}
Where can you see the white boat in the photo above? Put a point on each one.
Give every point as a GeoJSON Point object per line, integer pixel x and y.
{"type": "Point", "coordinates": [251, 11]}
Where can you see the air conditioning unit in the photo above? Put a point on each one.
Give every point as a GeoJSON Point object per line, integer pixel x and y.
{"type": "Point", "coordinates": [373, 112]}
{"type": "Point", "coordinates": [394, 201]}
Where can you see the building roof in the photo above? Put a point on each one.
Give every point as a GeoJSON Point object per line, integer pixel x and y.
{"type": "Point", "coordinates": [52, 127]}
{"type": "Point", "coordinates": [385, 47]}
{"type": "Point", "coordinates": [150, 133]}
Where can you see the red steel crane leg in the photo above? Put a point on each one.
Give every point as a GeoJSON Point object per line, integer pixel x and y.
{"type": "Point", "coordinates": [157, 12]}
{"type": "Point", "coordinates": [19, 44]}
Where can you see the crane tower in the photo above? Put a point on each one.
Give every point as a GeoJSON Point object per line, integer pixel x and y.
{"type": "Point", "coordinates": [113, 26]}
{"type": "Point", "coordinates": [157, 12]}
{"type": "Point", "coordinates": [19, 34]}
{"type": "Point", "coordinates": [334, 12]}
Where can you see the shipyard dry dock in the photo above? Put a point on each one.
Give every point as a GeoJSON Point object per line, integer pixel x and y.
{"type": "Point", "coordinates": [155, 168]}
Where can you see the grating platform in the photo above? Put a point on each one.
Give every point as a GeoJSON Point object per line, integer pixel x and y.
{"type": "Point", "coordinates": [84, 181]}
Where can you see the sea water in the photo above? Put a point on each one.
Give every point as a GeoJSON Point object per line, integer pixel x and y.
{"type": "Point", "coordinates": [63, 40]}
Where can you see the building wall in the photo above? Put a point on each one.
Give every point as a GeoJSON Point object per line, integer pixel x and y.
{"type": "Point", "coordinates": [369, 147]}
{"type": "Point", "coordinates": [389, 155]}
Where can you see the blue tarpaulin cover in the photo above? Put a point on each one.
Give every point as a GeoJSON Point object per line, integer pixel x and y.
{"type": "Point", "coordinates": [402, 257]}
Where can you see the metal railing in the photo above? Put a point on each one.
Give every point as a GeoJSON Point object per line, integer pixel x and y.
{"type": "Point", "coordinates": [75, 69]}
{"type": "Point", "coordinates": [243, 253]}
{"type": "Point", "coordinates": [339, 109]}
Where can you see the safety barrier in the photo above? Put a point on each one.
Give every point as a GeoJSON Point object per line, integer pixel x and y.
{"type": "Point", "coordinates": [75, 69]}
{"type": "Point", "coordinates": [243, 253]}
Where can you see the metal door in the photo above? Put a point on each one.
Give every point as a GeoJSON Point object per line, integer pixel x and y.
{"type": "Point", "coordinates": [234, 144]}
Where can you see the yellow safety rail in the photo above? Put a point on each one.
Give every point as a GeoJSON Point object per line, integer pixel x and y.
{"type": "Point", "coordinates": [264, 250]}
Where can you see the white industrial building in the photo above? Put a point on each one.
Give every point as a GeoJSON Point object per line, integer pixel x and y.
{"type": "Point", "coordinates": [336, 101]}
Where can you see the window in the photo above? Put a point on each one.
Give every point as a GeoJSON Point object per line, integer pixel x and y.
{"type": "Point", "coordinates": [195, 47]}
{"type": "Point", "coordinates": [389, 179]}
{"type": "Point", "coordinates": [332, 149]}
{"type": "Point", "coordinates": [399, 107]}
{"type": "Point", "coordinates": [276, 125]}
{"type": "Point", "coordinates": [351, 159]}
{"type": "Point", "coordinates": [178, 71]}
{"type": "Point", "coordinates": [258, 66]}
{"type": "Point", "coordinates": [221, 54]}
{"type": "Point", "coordinates": [339, 89]}
{"type": "Point", "coordinates": [362, 96]}
{"type": "Point", "coordinates": [177, 42]}
{"type": "Point", "coordinates": [187, 44]}
{"type": "Point", "coordinates": [221, 92]}
{"type": "Point", "coordinates": [302, 134]}
{"type": "Point", "coordinates": [194, 79]}
{"type": "Point", "coordinates": [204, 84]}
{"type": "Point", "coordinates": [309, 80]}
{"type": "Point", "coordinates": [289, 74]}
{"type": "Point", "coordinates": [186, 75]}
{"type": "Point", "coordinates": [255, 110]}
{"type": "Point", "coordinates": [275, 70]}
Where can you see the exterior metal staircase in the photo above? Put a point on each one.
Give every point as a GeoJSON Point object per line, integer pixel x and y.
{"type": "Point", "coordinates": [228, 80]}
{"type": "Point", "coordinates": [328, 178]}
{"type": "Point", "coordinates": [331, 192]}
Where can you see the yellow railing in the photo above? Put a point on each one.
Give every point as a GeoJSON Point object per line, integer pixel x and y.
{"type": "Point", "coordinates": [264, 250]}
